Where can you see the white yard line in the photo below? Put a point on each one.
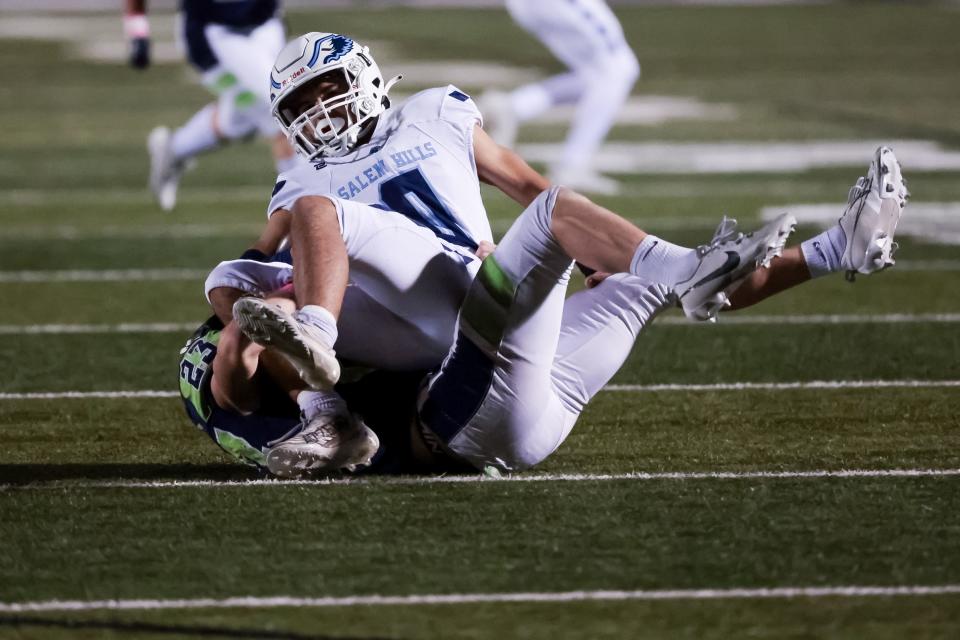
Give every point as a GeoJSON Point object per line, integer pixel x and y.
{"type": "Point", "coordinates": [84, 395]}
{"type": "Point", "coordinates": [140, 232]}
{"type": "Point", "coordinates": [637, 476]}
{"type": "Point", "coordinates": [855, 318]}
{"type": "Point", "coordinates": [125, 327]}
{"type": "Point", "coordinates": [103, 275]}
{"type": "Point", "coordinates": [927, 265]}
{"type": "Point", "coordinates": [79, 196]}
{"type": "Point", "coordinates": [937, 222]}
{"type": "Point", "coordinates": [786, 386]}
{"type": "Point", "coordinates": [176, 327]}
{"type": "Point", "coordinates": [652, 158]}
{"type": "Point", "coordinates": [633, 388]}
{"type": "Point", "coordinates": [250, 602]}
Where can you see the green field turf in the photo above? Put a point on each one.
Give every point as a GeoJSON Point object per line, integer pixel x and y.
{"type": "Point", "coordinates": [80, 521]}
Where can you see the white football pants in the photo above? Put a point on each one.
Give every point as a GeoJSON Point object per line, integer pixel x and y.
{"type": "Point", "coordinates": [525, 362]}
{"type": "Point", "coordinates": [587, 37]}
{"type": "Point", "coordinates": [241, 80]}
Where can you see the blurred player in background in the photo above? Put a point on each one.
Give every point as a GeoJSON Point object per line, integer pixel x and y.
{"type": "Point", "coordinates": [586, 36]}
{"type": "Point", "coordinates": [232, 44]}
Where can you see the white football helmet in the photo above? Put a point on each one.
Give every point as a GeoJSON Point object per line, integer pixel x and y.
{"type": "Point", "coordinates": [326, 126]}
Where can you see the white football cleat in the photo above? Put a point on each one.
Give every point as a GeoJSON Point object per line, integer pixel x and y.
{"type": "Point", "coordinates": [499, 121]}
{"type": "Point", "coordinates": [726, 262]}
{"type": "Point", "coordinates": [585, 181]}
{"type": "Point", "coordinates": [329, 442]}
{"type": "Point", "coordinates": [874, 206]}
{"type": "Point", "coordinates": [300, 343]}
{"type": "Point", "coordinates": [165, 169]}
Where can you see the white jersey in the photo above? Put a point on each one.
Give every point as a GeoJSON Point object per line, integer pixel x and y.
{"type": "Point", "coordinates": [419, 162]}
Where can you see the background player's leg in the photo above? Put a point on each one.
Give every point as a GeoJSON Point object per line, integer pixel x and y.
{"type": "Point", "coordinates": [249, 58]}
{"type": "Point", "coordinates": [587, 37]}
{"type": "Point", "coordinates": [607, 85]}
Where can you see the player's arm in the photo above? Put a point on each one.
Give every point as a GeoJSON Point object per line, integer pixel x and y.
{"type": "Point", "coordinates": [502, 168]}
{"type": "Point", "coordinates": [221, 301]}
{"type": "Point", "coordinates": [137, 28]}
{"type": "Point", "coordinates": [272, 236]}
{"type": "Point", "coordinates": [235, 278]}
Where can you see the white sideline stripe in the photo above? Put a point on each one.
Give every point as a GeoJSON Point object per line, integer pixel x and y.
{"type": "Point", "coordinates": [76, 395]}
{"type": "Point", "coordinates": [727, 386]}
{"type": "Point", "coordinates": [173, 327]}
{"type": "Point", "coordinates": [139, 232]}
{"type": "Point", "coordinates": [781, 386]}
{"type": "Point", "coordinates": [655, 158]}
{"type": "Point", "coordinates": [520, 478]}
{"type": "Point", "coordinates": [104, 275]}
{"type": "Point", "coordinates": [937, 222]}
{"type": "Point", "coordinates": [928, 265]}
{"type": "Point", "coordinates": [125, 327]}
{"type": "Point", "coordinates": [887, 318]}
{"type": "Point", "coordinates": [248, 602]}
{"type": "Point", "coordinates": [78, 196]}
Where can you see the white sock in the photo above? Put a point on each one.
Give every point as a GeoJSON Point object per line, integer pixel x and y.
{"type": "Point", "coordinates": [320, 319]}
{"type": "Point", "coordinates": [823, 252]}
{"type": "Point", "coordinates": [313, 403]}
{"type": "Point", "coordinates": [196, 136]}
{"type": "Point", "coordinates": [286, 164]}
{"type": "Point", "coordinates": [657, 260]}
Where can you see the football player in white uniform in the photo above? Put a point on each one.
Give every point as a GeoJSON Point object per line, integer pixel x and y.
{"type": "Point", "coordinates": [524, 363]}
{"type": "Point", "coordinates": [587, 37]}
{"type": "Point", "coordinates": [392, 198]}
{"type": "Point", "coordinates": [232, 44]}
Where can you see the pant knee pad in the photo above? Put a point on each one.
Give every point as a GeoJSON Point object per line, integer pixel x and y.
{"type": "Point", "coordinates": [240, 114]}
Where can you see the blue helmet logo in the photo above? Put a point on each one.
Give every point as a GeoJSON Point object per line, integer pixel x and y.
{"type": "Point", "coordinates": [334, 46]}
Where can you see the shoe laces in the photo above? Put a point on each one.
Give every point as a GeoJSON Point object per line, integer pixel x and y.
{"type": "Point", "coordinates": [858, 190]}
{"type": "Point", "coordinates": [325, 431]}
{"type": "Point", "coordinates": [726, 232]}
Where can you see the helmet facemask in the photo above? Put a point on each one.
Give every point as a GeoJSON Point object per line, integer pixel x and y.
{"type": "Point", "coordinates": [326, 116]}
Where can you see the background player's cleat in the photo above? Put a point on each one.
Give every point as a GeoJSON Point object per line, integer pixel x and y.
{"type": "Point", "coordinates": [304, 346]}
{"type": "Point", "coordinates": [874, 206]}
{"type": "Point", "coordinates": [726, 261]}
{"type": "Point", "coordinates": [329, 442]}
{"type": "Point", "coordinates": [165, 169]}
{"type": "Point", "coordinates": [585, 181]}
{"type": "Point", "coordinates": [499, 120]}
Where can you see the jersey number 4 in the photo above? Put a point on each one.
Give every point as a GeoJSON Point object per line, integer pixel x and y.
{"type": "Point", "coordinates": [410, 194]}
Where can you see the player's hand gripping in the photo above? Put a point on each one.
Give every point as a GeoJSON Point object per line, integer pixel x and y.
{"type": "Point", "coordinates": [484, 249]}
